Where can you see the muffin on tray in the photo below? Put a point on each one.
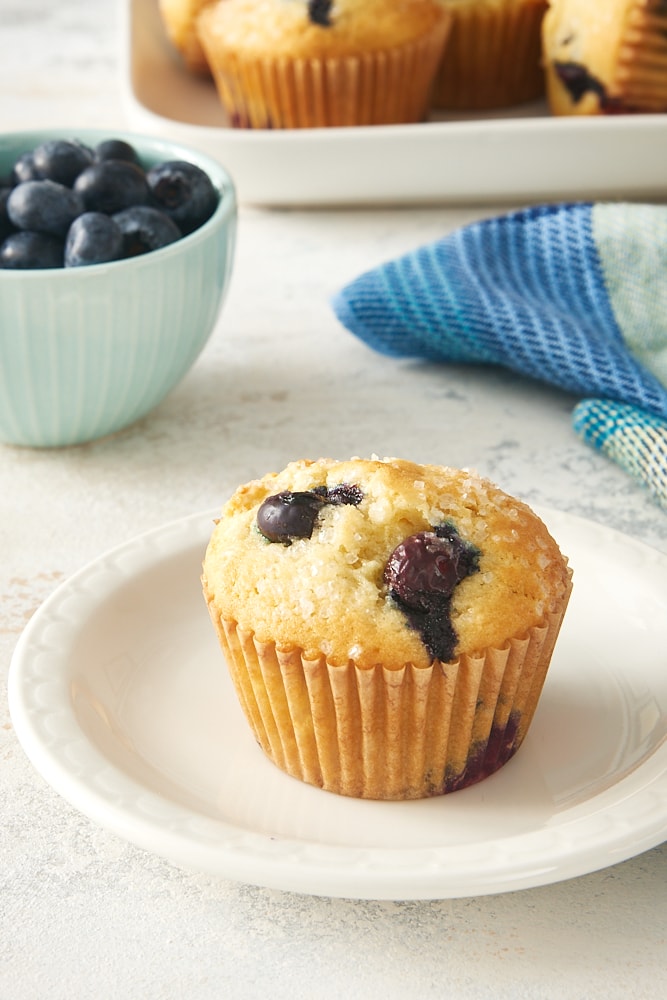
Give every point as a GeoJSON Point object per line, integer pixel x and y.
{"type": "Point", "coordinates": [493, 56]}
{"type": "Point", "coordinates": [179, 17]}
{"type": "Point", "coordinates": [311, 63]}
{"type": "Point", "coordinates": [387, 625]}
{"type": "Point", "coordinates": [606, 58]}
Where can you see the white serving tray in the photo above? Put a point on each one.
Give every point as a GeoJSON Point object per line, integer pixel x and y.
{"type": "Point", "coordinates": [518, 157]}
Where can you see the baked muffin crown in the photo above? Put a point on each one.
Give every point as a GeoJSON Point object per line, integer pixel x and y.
{"type": "Point", "coordinates": [317, 28]}
{"type": "Point", "coordinates": [326, 587]}
{"type": "Point", "coordinates": [606, 58]}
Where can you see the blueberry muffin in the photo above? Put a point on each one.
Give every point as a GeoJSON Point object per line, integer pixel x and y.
{"type": "Point", "coordinates": [605, 58]}
{"type": "Point", "coordinates": [312, 63]}
{"type": "Point", "coordinates": [178, 18]}
{"type": "Point", "coordinates": [387, 625]}
{"type": "Point", "coordinates": [493, 56]}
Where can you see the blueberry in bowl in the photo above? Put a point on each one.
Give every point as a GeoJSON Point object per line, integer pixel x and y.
{"type": "Point", "coordinates": [77, 194]}
{"type": "Point", "coordinates": [116, 252]}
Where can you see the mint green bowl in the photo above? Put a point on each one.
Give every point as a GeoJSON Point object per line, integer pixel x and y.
{"type": "Point", "coordinates": [86, 351]}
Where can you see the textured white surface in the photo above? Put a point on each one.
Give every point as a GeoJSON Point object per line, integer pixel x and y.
{"type": "Point", "coordinates": [84, 915]}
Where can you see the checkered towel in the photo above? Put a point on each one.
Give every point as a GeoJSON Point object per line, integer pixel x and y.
{"type": "Point", "coordinates": [572, 294]}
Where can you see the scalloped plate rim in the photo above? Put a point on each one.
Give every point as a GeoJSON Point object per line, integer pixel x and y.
{"type": "Point", "coordinates": [221, 848]}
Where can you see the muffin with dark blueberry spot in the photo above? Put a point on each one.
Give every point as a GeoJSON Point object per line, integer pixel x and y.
{"type": "Point", "coordinates": [312, 63]}
{"type": "Point", "coordinates": [388, 626]}
{"type": "Point", "coordinates": [605, 58]}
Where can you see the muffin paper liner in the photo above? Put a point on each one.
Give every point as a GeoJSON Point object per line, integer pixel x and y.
{"type": "Point", "coordinates": [374, 88]}
{"type": "Point", "coordinates": [492, 58]}
{"type": "Point", "coordinates": [389, 734]}
{"type": "Point", "coordinates": [641, 75]}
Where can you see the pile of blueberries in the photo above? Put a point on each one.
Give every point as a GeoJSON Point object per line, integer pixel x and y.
{"type": "Point", "coordinates": [67, 205]}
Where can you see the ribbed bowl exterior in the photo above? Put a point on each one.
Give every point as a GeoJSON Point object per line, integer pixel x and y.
{"type": "Point", "coordinates": [87, 351]}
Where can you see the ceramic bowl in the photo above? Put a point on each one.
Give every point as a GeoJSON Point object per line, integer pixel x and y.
{"type": "Point", "coordinates": [86, 351]}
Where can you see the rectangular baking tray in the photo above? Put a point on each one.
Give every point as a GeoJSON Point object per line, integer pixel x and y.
{"type": "Point", "coordinates": [512, 157]}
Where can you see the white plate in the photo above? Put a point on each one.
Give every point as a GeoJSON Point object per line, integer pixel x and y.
{"type": "Point", "coordinates": [121, 699]}
{"type": "Point", "coordinates": [512, 157]}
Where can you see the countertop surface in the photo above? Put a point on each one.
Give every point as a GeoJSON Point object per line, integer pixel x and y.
{"type": "Point", "coordinates": [83, 913]}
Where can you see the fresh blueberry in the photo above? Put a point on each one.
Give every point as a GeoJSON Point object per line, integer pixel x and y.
{"type": "Point", "coordinates": [288, 515]}
{"type": "Point", "coordinates": [61, 160]}
{"type": "Point", "coordinates": [44, 207]}
{"type": "Point", "coordinates": [24, 169]}
{"type": "Point", "coordinates": [6, 226]}
{"type": "Point", "coordinates": [93, 238]}
{"type": "Point", "coordinates": [116, 149]}
{"type": "Point", "coordinates": [111, 186]}
{"type": "Point", "coordinates": [184, 191]}
{"type": "Point", "coordinates": [26, 250]}
{"type": "Point", "coordinates": [52, 186]}
{"type": "Point", "coordinates": [144, 229]}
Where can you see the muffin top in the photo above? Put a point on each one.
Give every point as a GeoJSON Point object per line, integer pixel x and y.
{"type": "Point", "coordinates": [581, 44]}
{"type": "Point", "coordinates": [492, 5]}
{"type": "Point", "coordinates": [317, 28]}
{"type": "Point", "coordinates": [381, 561]}
{"type": "Point", "coordinates": [179, 18]}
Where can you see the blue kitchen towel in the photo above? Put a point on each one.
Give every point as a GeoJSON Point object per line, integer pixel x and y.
{"type": "Point", "coordinates": [571, 294]}
{"type": "Point", "coordinates": [634, 438]}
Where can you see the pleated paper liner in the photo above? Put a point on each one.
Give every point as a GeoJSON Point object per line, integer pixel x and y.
{"type": "Point", "coordinates": [375, 88]}
{"type": "Point", "coordinates": [641, 75]}
{"type": "Point", "coordinates": [492, 58]}
{"type": "Point", "coordinates": [389, 734]}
